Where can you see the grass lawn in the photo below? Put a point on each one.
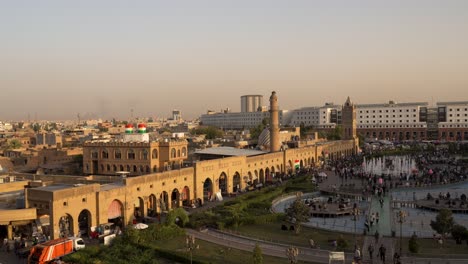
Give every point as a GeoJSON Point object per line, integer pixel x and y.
{"type": "Point", "coordinates": [272, 232]}
{"type": "Point", "coordinates": [430, 247]}
{"type": "Point", "coordinates": [213, 253]}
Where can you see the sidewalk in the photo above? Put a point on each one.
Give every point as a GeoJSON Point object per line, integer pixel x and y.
{"type": "Point", "coordinates": [268, 248]}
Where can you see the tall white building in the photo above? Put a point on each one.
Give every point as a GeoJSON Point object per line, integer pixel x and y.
{"type": "Point", "coordinates": [391, 115]}
{"type": "Point", "coordinates": [319, 117]}
{"type": "Point", "coordinates": [240, 120]}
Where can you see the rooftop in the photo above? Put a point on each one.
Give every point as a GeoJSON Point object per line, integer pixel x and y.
{"type": "Point", "coordinates": [230, 151]}
{"type": "Point", "coordinates": [55, 187]}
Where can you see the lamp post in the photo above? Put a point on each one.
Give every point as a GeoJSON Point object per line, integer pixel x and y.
{"type": "Point", "coordinates": [292, 253]}
{"type": "Point", "coordinates": [401, 218]}
{"type": "Point", "coordinates": [190, 245]}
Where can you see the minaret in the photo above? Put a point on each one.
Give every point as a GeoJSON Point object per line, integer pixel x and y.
{"type": "Point", "coordinates": [348, 120]}
{"type": "Point", "coordinates": [274, 123]}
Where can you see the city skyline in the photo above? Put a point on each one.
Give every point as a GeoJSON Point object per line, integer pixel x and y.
{"type": "Point", "coordinates": [108, 57]}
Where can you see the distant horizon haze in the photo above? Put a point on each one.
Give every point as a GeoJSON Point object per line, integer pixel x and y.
{"type": "Point", "coordinates": [103, 58]}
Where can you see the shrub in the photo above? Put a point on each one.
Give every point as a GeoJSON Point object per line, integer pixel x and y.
{"type": "Point", "coordinates": [341, 244]}
{"type": "Point", "coordinates": [179, 214]}
{"type": "Point", "coordinates": [413, 245]}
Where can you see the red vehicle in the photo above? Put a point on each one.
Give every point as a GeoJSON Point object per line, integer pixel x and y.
{"type": "Point", "coordinates": [54, 249]}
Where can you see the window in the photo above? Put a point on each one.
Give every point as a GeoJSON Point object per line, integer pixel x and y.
{"type": "Point", "coordinates": [173, 153]}
{"type": "Point", "coordinates": [145, 154]}
{"type": "Point", "coordinates": [131, 154]}
{"type": "Point", "coordinates": [94, 154]}
{"type": "Point", "coordinates": [118, 154]}
{"type": "Point", "coordinates": [105, 154]}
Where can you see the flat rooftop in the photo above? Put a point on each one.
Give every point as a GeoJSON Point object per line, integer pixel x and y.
{"type": "Point", "coordinates": [55, 187]}
{"type": "Point", "coordinates": [229, 151]}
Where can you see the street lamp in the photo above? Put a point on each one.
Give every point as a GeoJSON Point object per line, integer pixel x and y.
{"type": "Point", "coordinates": [401, 218]}
{"type": "Point", "coordinates": [292, 253]}
{"type": "Point", "coordinates": [190, 245]}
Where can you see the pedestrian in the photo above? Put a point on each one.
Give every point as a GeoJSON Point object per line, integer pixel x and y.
{"type": "Point", "coordinates": [357, 255]}
{"type": "Point", "coordinates": [382, 251]}
{"type": "Point", "coordinates": [377, 217]}
{"type": "Point", "coordinates": [376, 236]}
{"type": "Point", "coordinates": [396, 258]}
{"type": "Point", "coordinates": [370, 249]}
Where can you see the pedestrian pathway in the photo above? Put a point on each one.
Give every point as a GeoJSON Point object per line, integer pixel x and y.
{"type": "Point", "coordinates": [384, 226]}
{"type": "Point", "coordinates": [268, 248]}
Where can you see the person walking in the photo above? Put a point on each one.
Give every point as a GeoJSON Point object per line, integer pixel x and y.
{"type": "Point", "coordinates": [377, 216]}
{"type": "Point", "coordinates": [370, 249]}
{"type": "Point", "coordinates": [382, 251]}
{"type": "Point", "coordinates": [357, 255]}
{"type": "Point", "coordinates": [376, 236]}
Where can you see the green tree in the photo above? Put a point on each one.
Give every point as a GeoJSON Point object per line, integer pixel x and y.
{"type": "Point", "coordinates": [209, 131]}
{"type": "Point", "coordinates": [413, 245]}
{"type": "Point", "coordinates": [256, 131]}
{"type": "Point", "coordinates": [459, 233]}
{"type": "Point", "coordinates": [14, 144]}
{"type": "Point", "coordinates": [336, 133]}
{"type": "Point", "coordinates": [36, 127]}
{"type": "Point", "coordinates": [177, 216]}
{"type": "Point", "coordinates": [444, 222]}
{"type": "Point", "coordinates": [298, 213]}
{"type": "Point", "coordinates": [257, 255]}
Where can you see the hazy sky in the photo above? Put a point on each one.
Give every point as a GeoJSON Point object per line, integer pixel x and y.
{"type": "Point", "coordinates": [103, 58]}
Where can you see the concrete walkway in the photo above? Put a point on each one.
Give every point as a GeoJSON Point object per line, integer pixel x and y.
{"type": "Point", "coordinates": [268, 248]}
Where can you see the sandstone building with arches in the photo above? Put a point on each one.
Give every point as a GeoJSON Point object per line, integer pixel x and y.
{"type": "Point", "coordinates": [74, 209]}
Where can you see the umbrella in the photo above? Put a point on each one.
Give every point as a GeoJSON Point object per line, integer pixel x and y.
{"type": "Point", "coordinates": [140, 226]}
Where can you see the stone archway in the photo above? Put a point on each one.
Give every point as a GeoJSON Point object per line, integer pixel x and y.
{"type": "Point", "coordinates": [301, 164]}
{"type": "Point", "coordinates": [223, 183]}
{"type": "Point", "coordinates": [152, 205]}
{"type": "Point", "coordinates": [255, 179]}
{"type": "Point", "coordinates": [175, 198]}
{"type": "Point", "coordinates": [236, 182]}
{"type": "Point", "coordinates": [186, 196]}
{"type": "Point", "coordinates": [267, 175]}
{"type": "Point", "coordinates": [261, 176]}
{"type": "Point", "coordinates": [84, 223]}
{"type": "Point", "coordinates": [139, 208]}
{"type": "Point", "coordinates": [115, 213]}
{"type": "Point", "coordinates": [207, 190]}
{"type": "Point", "coordinates": [66, 225]}
{"type": "Point", "coordinates": [164, 201]}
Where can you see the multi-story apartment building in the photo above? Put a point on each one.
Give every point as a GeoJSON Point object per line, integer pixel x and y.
{"type": "Point", "coordinates": [240, 120]}
{"type": "Point", "coordinates": [453, 120]}
{"type": "Point", "coordinates": [323, 117]}
{"type": "Point", "coordinates": [394, 121]}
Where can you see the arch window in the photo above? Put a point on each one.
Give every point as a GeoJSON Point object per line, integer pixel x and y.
{"type": "Point", "coordinates": [184, 152]}
{"type": "Point", "coordinates": [105, 154]}
{"type": "Point", "coordinates": [178, 153]}
{"type": "Point", "coordinates": [173, 153]}
{"type": "Point", "coordinates": [94, 154]}
{"type": "Point", "coordinates": [154, 154]}
{"type": "Point", "coordinates": [118, 154]}
{"type": "Point", "coordinates": [145, 154]}
{"type": "Point", "coordinates": [131, 154]}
